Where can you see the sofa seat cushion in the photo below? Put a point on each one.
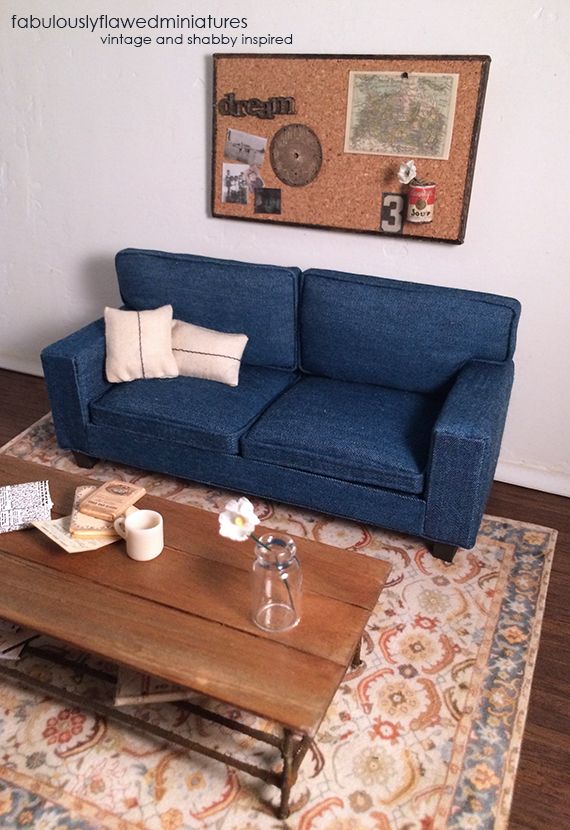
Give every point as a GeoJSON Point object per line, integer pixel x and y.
{"type": "Point", "coordinates": [201, 413]}
{"type": "Point", "coordinates": [351, 431]}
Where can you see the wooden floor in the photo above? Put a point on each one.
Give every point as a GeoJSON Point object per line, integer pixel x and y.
{"type": "Point", "coordinates": [542, 793]}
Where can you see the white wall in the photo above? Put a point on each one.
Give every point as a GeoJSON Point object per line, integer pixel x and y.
{"type": "Point", "coordinates": [104, 147]}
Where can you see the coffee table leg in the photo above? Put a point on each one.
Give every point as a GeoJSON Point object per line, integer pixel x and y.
{"type": "Point", "coordinates": [293, 746]}
{"type": "Point", "coordinates": [288, 774]}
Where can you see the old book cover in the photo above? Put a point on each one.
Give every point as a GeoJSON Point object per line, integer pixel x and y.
{"type": "Point", "coordinates": [84, 526]}
{"type": "Point", "coordinates": [58, 531]}
{"type": "Point", "coordinates": [134, 687]}
{"type": "Point", "coordinates": [111, 499]}
{"type": "Point", "coordinates": [13, 638]}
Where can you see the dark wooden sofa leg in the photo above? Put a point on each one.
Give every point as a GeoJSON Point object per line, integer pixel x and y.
{"type": "Point", "coordinates": [85, 461]}
{"type": "Point", "coordinates": [442, 551]}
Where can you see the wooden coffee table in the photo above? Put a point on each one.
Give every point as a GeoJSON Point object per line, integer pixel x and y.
{"type": "Point", "coordinates": [185, 617]}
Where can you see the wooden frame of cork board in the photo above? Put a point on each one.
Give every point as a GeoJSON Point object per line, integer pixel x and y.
{"type": "Point", "coordinates": [317, 140]}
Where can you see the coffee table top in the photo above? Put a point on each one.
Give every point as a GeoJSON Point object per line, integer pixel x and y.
{"type": "Point", "coordinates": [185, 616]}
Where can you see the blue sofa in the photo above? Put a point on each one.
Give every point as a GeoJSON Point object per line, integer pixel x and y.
{"type": "Point", "coordinates": [373, 399]}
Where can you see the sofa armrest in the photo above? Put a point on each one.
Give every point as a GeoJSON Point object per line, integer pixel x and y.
{"type": "Point", "coordinates": [464, 450]}
{"type": "Point", "coordinates": [74, 369]}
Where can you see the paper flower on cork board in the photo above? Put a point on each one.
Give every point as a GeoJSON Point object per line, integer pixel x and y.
{"type": "Point", "coordinates": [407, 172]}
{"type": "Point", "coordinates": [238, 520]}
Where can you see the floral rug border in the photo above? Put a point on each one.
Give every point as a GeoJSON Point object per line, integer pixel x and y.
{"type": "Point", "coordinates": [478, 790]}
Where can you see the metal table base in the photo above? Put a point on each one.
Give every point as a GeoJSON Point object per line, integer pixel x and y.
{"type": "Point", "coordinates": [291, 746]}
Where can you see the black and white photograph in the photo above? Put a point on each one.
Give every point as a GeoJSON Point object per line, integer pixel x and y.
{"type": "Point", "coordinates": [244, 147]}
{"type": "Point", "coordinates": [267, 200]}
{"type": "Point", "coordinates": [254, 180]}
{"type": "Point", "coordinates": [235, 183]}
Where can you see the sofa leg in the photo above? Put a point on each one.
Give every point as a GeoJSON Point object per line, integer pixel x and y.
{"type": "Point", "coordinates": [442, 551]}
{"type": "Point", "coordinates": [85, 461]}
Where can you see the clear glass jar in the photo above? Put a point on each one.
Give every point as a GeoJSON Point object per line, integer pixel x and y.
{"type": "Point", "coordinates": [277, 584]}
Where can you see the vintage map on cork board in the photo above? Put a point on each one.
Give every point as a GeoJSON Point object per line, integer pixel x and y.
{"type": "Point", "coordinates": [325, 141]}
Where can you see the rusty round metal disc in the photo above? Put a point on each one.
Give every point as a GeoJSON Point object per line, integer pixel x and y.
{"type": "Point", "coordinates": [296, 155]}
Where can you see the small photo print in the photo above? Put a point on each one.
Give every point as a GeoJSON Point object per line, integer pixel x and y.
{"type": "Point", "coordinates": [254, 180]}
{"type": "Point", "coordinates": [244, 147]}
{"type": "Point", "coordinates": [234, 184]}
{"type": "Point", "coordinates": [267, 200]}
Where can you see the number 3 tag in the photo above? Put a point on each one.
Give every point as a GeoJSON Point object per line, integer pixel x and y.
{"type": "Point", "coordinates": [392, 213]}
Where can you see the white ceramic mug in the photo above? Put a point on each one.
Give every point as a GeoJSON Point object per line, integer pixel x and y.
{"type": "Point", "coordinates": [143, 532]}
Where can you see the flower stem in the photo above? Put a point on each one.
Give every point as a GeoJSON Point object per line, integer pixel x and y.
{"type": "Point", "coordinates": [258, 541]}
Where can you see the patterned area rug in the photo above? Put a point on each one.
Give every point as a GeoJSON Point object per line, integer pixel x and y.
{"type": "Point", "coordinates": [424, 735]}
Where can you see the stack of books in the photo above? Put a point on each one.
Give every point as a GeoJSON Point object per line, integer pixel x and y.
{"type": "Point", "coordinates": [91, 523]}
{"type": "Point", "coordinates": [96, 508]}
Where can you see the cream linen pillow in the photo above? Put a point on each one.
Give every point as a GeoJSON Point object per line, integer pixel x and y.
{"type": "Point", "coordinates": [204, 353]}
{"type": "Point", "coordinates": [139, 344]}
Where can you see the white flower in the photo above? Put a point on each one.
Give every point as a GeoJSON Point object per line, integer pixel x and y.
{"type": "Point", "coordinates": [238, 520]}
{"type": "Point", "coordinates": [407, 172]}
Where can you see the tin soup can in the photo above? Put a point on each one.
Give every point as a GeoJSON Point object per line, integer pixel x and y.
{"type": "Point", "coordinates": [421, 201]}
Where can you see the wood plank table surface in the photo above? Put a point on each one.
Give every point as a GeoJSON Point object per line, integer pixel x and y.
{"type": "Point", "coordinates": [185, 616]}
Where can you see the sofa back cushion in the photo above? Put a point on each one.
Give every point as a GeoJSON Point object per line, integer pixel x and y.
{"type": "Point", "coordinates": [257, 300]}
{"type": "Point", "coordinates": [399, 334]}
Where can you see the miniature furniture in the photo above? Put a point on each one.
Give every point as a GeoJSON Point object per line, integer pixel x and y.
{"type": "Point", "coordinates": [152, 616]}
{"type": "Point", "coordinates": [377, 400]}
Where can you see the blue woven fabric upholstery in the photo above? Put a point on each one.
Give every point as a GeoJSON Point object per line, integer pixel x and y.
{"type": "Point", "coordinates": [376, 400]}
{"type": "Point", "coordinates": [74, 369]}
{"type": "Point", "coordinates": [362, 503]}
{"type": "Point", "coordinates": [219, 294]}
{"type": "Point", "coordinates": [465, 448]}
{"type": "Point", "coordinates": [192, 411]}
{"type": "Point", "coordinates": [399, 334]}
{"type": "Point", "coordinates": [352, 431]}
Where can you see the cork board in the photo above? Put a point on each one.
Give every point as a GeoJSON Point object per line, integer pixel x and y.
{"type": "Point", "coordinates": [318, 140]}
